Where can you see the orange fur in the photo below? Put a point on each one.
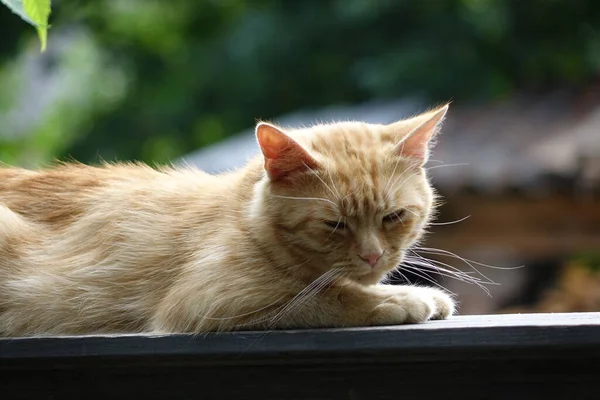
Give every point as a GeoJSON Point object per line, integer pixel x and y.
{"type": "Point", "coordinates": [127, 248]}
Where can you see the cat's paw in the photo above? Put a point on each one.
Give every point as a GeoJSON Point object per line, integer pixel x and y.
{"type": "Point", "coordinates": [444, 304]}
{"type": "Point", "coordinates": [411, 304]}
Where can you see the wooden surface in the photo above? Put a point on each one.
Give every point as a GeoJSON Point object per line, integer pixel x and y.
{"type": "Point", "coordinates": [483, 357]}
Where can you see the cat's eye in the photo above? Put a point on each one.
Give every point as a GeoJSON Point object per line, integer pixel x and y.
{"type": "Point", "coordinates": [336, 224]}
{"type": "Point", "coordinates": [396, 216]}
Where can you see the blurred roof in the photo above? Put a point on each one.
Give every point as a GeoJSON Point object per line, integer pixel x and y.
{"type": "Point", "coordinates": [528, 142]}
{"type": "Point", "coordinates": [236, 150]}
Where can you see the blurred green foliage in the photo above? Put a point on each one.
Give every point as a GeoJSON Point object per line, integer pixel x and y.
{"type": "Point", "coordinates": [166, 77]}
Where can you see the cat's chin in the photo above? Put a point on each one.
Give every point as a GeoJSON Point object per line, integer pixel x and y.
{"type": "Point", "coordinates": [368, 278]}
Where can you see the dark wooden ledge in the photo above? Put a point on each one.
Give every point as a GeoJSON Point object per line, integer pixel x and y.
{"type": "Point", "coordinates": [487, 357]}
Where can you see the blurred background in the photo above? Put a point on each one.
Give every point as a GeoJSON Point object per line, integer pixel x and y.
{"type": "Point", "coordinates": [185, 80]}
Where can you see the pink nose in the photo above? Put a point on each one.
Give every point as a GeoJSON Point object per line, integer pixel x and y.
{"type": "Point", "coordinates": [371, 258]}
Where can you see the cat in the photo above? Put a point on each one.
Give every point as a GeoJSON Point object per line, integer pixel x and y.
{"type": "Point", "coordinates": [300, 237]}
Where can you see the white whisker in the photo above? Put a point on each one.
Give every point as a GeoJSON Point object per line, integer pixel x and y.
{"type": "Point", "coordinates": [386, 193]}
{"type": "Point", "coordinates": [402, 276]}
{"type": "Point", "coordinates": [456, 274]}
{"type": "Point", "coordinates": [447, 165]}
{"type": "Point", "coordinates": [450, 222]}
{"type": "Point", "coordinates": [244, 314]}
{"type": "Point", "coordinates": [322, 181]}
{"type": "Point", "coordinates": [453, 272]}
{"type": "Point", "coordinates": [334, 229]}
{"type": "Point", "coordinates": [461, 276]}
{"type": "Point", "coordinates": [454, 269]}
{"type": "Point", "coordinates": [466, 260]}
{"type": "Point", "coordinates": [331, 181]}
{"type": "Point", "coordinates": [305, 293]}
{"type": "Point", "coordinates": [420, 249]}
{"type": "Point", "coordinates": [391, 175]}
{"type": "Point", "coordinates": [423, 275]}
{"type": "Point", "coordinates": [476, 282]}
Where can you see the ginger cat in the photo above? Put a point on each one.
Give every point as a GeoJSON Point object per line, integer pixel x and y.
{"type": "Point", "coordinates": [298, 238]}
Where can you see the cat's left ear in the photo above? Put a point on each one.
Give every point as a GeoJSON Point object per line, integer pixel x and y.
{"type": "Point", "coordinates": [421, 131]}
{"type": "Point", "coordinates": [283, 155]}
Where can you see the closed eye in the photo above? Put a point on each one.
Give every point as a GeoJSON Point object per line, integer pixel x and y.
{"type": "Point", "coordinates": [336, 224]}
{"type": "Point", "coordinates": [396, 216]}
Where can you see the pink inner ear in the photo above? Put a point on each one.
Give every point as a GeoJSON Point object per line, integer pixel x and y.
{"type": "Point", "coordinates": [415, 146]}
{"type": "Point", "coordinates": [417, 142]}
{"type": "Point", "coordinates": [283, 155]}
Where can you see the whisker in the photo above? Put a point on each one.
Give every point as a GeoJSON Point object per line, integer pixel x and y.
{"type": "Point", "coordinates": [412, 212]}
{"type": "Point", "coordinates": [466, 260]}
{"type": "Point", "coordinates": [398, 218]}
{"type": "Point", "coordinates": [476, 282]}
{"type": "Point", "coordinates": [332, 183]}
{"type": "Point", "coordinates": [422, 275]}
{"type": "Point", "coordinates": [402, 276]}
{"type": "Point", "coordinates": [454, 273]}
{"type": "Point", "coordinates": [460, 275]}
{"type": "Point", "coordinates": [420, 249]}
{"type": "Point", "coordinates": [244, 314]}
{"type": "Point", "coordinates": [307, 198]}
{"type": "Point", "coordinates": [392, 175]}
{"type": "Point", "coordinates": [299, 300]}
{"type": "Point", "coordinates": [334, 229]}
{"type": "Point", "coordinates": [406, 179]}
{"type": "Point", "coordinates": [457, 274]}
{"type": "Point", "coordinates": [312, 288]}
{"type": "Point", "coordinates": [250, 312]}
{"type": "Point", "coordinates": [450, 222]}
{"type": "Point", "coordinates": [322, 181]}
{"type": "Point", "coordinates": [463, 277]}
{"type": "Point", "coordinates": [453, 268]}
{"type": "Point", "coordinates": [387, 194]}
{"type": "Point", "coordinates": [447, 165]}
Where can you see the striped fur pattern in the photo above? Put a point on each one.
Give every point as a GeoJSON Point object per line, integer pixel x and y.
{"type": "Point", "coordinates": [300, 237]}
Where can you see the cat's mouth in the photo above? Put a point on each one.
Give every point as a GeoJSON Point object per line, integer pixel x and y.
{"type": "Point", "coordinates": [359, 271]}
{"type": "Point", "coordinates": [367, 275]}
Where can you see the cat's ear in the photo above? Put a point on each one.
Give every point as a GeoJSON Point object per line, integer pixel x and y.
{"type": "Point", "coordinates": [421, 131]}
{"type": "Point", "coordinates": [283, 155]}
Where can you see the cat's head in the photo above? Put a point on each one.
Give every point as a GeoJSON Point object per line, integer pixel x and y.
{"type": "Point", "coordinates": [348, 195]}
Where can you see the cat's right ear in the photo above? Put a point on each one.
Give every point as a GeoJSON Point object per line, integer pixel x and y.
{"type": "Point", "coordinates": [421, 131]}
{"type": "Point", "coordinates": [283, 155]}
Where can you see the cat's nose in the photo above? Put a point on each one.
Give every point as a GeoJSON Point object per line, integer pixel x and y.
{"type": "Point", "coordinates": [371, 258]}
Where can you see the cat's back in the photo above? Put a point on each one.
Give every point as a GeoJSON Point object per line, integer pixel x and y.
{"type": "Point", "coordinates": [54, 194]}
{"type": "Point", "coordinates": [62, 193]}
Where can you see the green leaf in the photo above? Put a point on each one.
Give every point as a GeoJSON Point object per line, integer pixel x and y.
{"type": "Point", "coordinates": [34, 12]}
{"type": "Point", "coordinates": [42, 33]}
{"type": "Point", "coordinates": [16, 6]}
{"type": "Point", "coordinates": [39, 11]}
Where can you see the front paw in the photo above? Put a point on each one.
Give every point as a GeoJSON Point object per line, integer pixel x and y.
{"type": "Point", "coordinates": [411, 304]}
{"type": "Point", "coordinates": [444, 304]}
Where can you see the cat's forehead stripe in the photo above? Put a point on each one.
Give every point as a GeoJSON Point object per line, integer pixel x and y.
{"type": "Point", "coordinates": [363, 189]}
{"type": "Point", "coordinates": [354, 158]}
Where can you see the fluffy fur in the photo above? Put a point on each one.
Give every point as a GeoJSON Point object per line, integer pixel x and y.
{"type": "Point", "coordinates": [300, 237]}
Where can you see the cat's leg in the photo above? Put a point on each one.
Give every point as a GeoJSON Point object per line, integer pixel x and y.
{"type": "Point", "coordinates": [357, 305]}
{"type": "Point", "coordinates": [348, 305]}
